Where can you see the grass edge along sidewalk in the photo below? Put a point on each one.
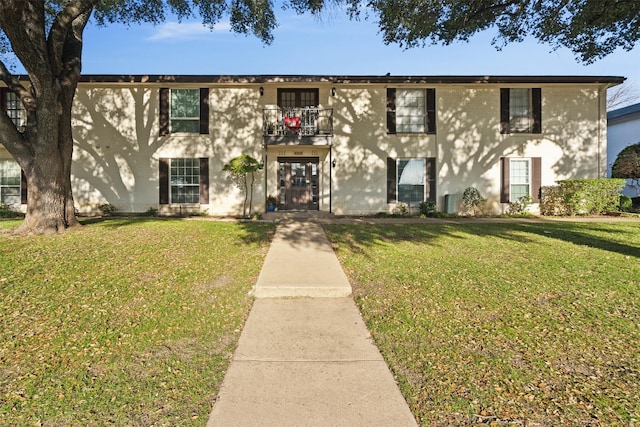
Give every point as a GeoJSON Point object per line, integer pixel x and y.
{"type": "Point", "coordinates": [513, 323]}
{"type": "Point", "coordinates": [124, 322]}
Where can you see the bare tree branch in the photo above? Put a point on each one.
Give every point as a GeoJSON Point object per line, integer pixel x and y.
{"type": "Point", "coordinates": [623, 95]}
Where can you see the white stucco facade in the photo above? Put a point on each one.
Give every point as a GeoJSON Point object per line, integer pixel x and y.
{"type": "Point", "coordinates": [119, 145]}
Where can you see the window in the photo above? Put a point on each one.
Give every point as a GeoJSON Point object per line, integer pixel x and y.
{"type": "Point", "coordinates": [13, 107]}
{"type": "Point", "coordinates": [297, 98]}
{"type": "Point", "coordinates": [410, 107]}
{"type": "Point", "coordinates": [520, 177]}
{"type": "Point", "coordinates": [184, 111]}
{"type": "Point", "coordinates": [411, 110]}
{"type": "Point", "coordinates": [520, 110]}
{"type": "Point", "coordinates": [184, 181]}
{"type": "Point", "coordinates": [10, 179]}
{"type": "Point", "coordinates": [410, 181]}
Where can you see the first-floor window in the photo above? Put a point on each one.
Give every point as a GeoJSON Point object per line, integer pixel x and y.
{"type": "Point", "coordinates": [520, 178]}
{"type": "Point", "coordinates": [9, 182]}
{"type": "Point", "coordinates": [185, 180]}
{"type": "Point", "coordinates": [411, 180]}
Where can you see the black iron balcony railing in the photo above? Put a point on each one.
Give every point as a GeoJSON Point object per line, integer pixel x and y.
{"type": "Point", "coordinates": [308, 121]}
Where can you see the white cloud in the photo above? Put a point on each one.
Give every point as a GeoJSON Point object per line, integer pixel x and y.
{"type": "Point", "coordinates": [185, 30]}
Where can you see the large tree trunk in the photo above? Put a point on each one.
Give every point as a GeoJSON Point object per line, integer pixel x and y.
{"type": "Point", "coordinates": [47, 188]}
{"type": "Point", "coordinates": [50, 206]}
{"type": "Point", "coordinates": [44, 149]}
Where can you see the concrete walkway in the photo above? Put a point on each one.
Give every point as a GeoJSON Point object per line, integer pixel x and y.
{"type": "Point", "coordinates": [305, 357]}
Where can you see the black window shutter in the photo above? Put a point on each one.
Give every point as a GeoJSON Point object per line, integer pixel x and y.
{"type": "Point", "coordinates": [431, 179]}
{"type": "Point", "coordinates": [536, 178]}
{"type": "Point", "coordinates": [23, 188]}
{"type": "Point", "coordinates": [504, 110]}
{"type": "Point", "coordinates": [3, 98]}
{"type": "Point", "coordinates": [431, 111]}
{"type": "Point", "coordinates": [204, 111]}
{"type": "Point", "coordinates": [164, 182]}
{"type": "Point", "coordinates": [204, 180]}
{"type": "Point", "coordinates": [391, 110]}
{"type": "Point", "coordinates": [504, 180]}
{"type": "Point", "coordinates": [164, 111]}
{"type": "Point", "coordinates": [391, 180]}
{"type": "Point", "coordinates": [536, 103]}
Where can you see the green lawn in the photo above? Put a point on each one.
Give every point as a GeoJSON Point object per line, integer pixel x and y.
{"type": "Point", "coordinates": [122, 322]}
{"type": "Point", "coordinates": [515, 323]}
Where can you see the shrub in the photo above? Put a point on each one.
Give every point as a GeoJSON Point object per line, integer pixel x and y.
{"type": "Point", "coordinates": [592, 196]}
{"type": "Point", "coordinates": [520, 206]}
{"type": "Point", "coordinates": [552, 201]}
{"type": "Point", "coordinates": [107, 209]}
{"type": "Point", "coordinates": [626, 204]}
{"type": "Point", "coordinates": [7, 211]}
{"type": "Point", "coordinates": [472, 200]}
{"type": "Point", "coordinates": [151, 212]}
{"type": "Point", "coordinates": [401, 210]}
{"type": "Point", "coordinates": [582, 197]}
{"type": "Point", "coordinates": [428, 208]}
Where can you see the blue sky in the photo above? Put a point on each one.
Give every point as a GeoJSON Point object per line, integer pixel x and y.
{"type": "Point", "coordinates": [332, 46]}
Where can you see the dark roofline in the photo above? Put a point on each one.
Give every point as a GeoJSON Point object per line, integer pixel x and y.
{"type": "Point", "coordinates": [388, 79]}
{"type": "Point", "coordinates": [623, 113]}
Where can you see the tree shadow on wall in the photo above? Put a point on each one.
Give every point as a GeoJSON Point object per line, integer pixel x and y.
{"type": "Point", "coordinates": [117, 145]}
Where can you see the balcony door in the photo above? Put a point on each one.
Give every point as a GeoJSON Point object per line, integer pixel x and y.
{"type": "Point", "coordinates": [298, 180]}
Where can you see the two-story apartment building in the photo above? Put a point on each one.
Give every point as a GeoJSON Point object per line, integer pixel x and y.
{"type": "Point", "coordinates": [342, 144]}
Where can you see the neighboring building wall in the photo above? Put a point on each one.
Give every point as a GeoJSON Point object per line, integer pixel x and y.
{"type": "Point", "coordinates": [623, 130]}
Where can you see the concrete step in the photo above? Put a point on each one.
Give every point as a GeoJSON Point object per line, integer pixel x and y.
{"type": "Point", "coordinates": [297, 215]}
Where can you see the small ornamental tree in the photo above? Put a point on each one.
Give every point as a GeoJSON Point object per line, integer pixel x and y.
{"type": "Point", "coordinates": [472, 201]}
{"type": "Point", "coordinates": [242, 169]}
{"type": "Point", "coordinates": [627, 165]}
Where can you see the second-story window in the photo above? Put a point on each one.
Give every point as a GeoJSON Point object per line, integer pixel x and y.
{"type": "Point", "coordinates": [411, 110]}
{"type": "Point", "coordinates": [520, 110]}
{"type": "Point", "coordinates": [297, 98]}
{"type": "Point", "coordinates": [13, 107]}
{"type": "Point", "coordinates": [184, 111]}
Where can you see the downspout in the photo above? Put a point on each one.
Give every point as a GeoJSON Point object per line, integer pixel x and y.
{"type": "Point", "coordinates": [265, 158]}
{"type": "Point", "coordinates": [330, 173]}
{"type": "Point", "coordinates": [600, 131]}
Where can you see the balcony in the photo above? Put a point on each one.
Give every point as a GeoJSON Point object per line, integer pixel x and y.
{"type": "Point", "coordinates": [297, 126]}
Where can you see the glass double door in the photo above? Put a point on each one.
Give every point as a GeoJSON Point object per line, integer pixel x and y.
{"type": "Point", "coordinates": [298, 180]}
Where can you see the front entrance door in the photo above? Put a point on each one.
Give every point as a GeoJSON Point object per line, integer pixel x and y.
{"type": "Point", "coordinates": [298, 180]}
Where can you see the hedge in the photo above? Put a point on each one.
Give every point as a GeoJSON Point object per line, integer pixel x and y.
{"type": "Point", "coordinates": [581, 197]}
